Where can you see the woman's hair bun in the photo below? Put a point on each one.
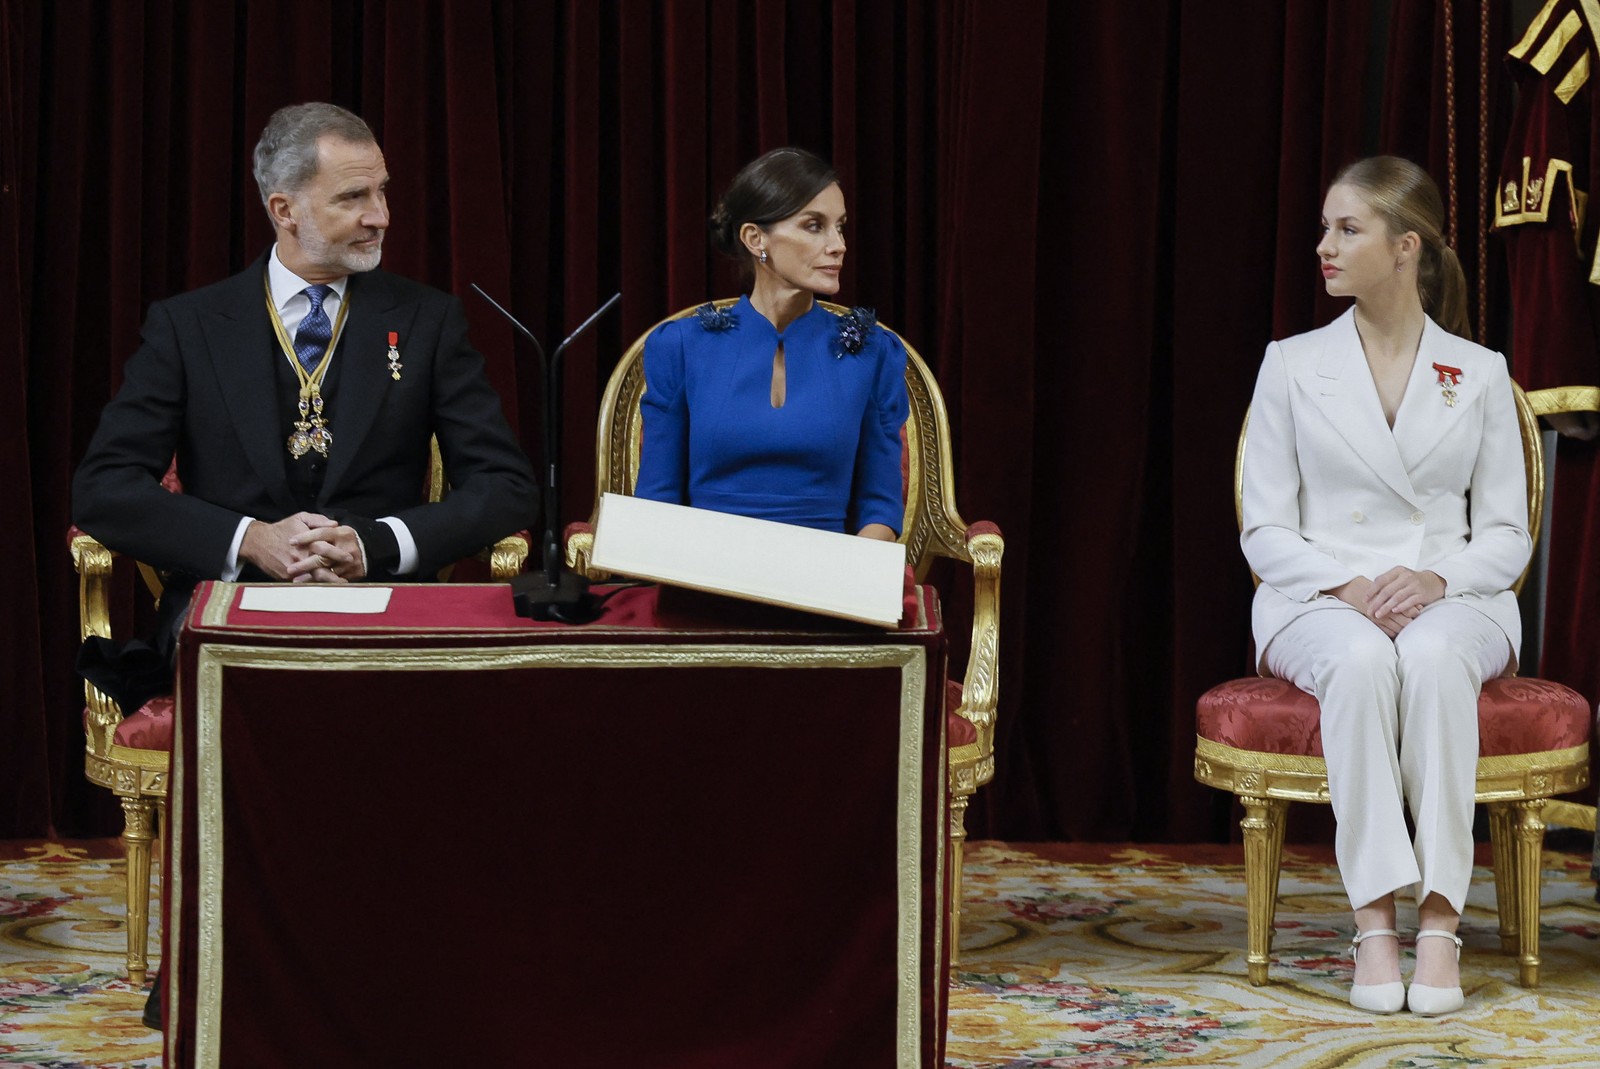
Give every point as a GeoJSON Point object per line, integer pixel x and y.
{"type": "Point", "coordinates": [723, 238]}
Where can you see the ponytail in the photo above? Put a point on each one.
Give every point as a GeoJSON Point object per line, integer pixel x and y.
{"type": "Point", "coordinates": [1407, 200]}
{"type": "Point", "coordinates": [1444, 296]}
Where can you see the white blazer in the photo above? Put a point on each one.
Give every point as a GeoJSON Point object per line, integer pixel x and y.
{"type": "Point", "coordinates": [1330, 492]}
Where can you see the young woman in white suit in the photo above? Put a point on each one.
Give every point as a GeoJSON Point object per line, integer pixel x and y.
{"type": "Point", "coordinates": [1385, 513]}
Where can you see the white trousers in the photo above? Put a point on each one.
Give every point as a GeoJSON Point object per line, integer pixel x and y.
{"type": "Point", "coordinates": [1399, 728]}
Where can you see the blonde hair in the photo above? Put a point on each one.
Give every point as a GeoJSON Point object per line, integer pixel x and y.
{"type": "Point", "coordinates": [1407, 200]}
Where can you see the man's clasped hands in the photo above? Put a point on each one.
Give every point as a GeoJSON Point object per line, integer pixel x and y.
{"type": "Point", "coordinates": [305, 548]}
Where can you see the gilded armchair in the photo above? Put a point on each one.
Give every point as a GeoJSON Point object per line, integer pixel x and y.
{"type": "Point", "coordinates": [1261, 739]}
{"type": "Point", "coordinates": [932, 528]}
{"type": "Point", "coordinates": [1559, 400]}
{"type": "Point", "coordinates": [128, 755]}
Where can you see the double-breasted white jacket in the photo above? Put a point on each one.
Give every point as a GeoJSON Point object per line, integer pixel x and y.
{"type": "Point", "coordinates": [1330, 492]}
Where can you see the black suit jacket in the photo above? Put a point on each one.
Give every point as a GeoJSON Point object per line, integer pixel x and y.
{"type": "Point", "coordinates": [203, 386]}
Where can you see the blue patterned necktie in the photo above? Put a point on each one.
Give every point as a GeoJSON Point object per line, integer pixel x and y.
{"type": "Point", "coordinates": [311, 340]}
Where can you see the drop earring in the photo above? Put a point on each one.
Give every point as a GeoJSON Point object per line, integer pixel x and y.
{"type": "Point", "coordinates": [764, 257]}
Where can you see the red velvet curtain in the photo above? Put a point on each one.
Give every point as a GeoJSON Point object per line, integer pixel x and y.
{"type": "Point", "coordinates": [1090, 217]}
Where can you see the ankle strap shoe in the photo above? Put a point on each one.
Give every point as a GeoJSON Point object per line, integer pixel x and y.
{"type": "Point", "coordinates": [1376, 998]}
{"type": "Point", "coordinates": [1432, 1001]}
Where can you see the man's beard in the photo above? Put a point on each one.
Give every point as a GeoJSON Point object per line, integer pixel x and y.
{"type": "Point", "coordinates": [319, 250]}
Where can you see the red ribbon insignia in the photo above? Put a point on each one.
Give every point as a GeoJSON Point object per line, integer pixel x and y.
{"type": "Point", "coordinates": [1449, 379]}
{"type": "Point", "coordinates": [394, 355]}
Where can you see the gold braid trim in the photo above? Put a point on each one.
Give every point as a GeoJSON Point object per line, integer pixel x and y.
{"type": "Point", "coordinates": [1575, 79]}
{"type": "Point", "coordinates": [1530, 202]}
{"type": "Point", "coordinates": [1566, 31]}
{"type": "Point", "coordinates": [1534, 29]}
{"type": "Point", "coordinates": [1591, 15]}
{"type": "Point", "coordinates": [1551, 51]}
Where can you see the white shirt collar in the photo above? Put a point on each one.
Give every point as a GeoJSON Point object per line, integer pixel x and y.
{"type": "Point", "coordinates": [286, 286]}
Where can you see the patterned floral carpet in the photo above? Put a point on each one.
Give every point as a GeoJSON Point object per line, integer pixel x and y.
{"type": "Point", "coordinates": [65, 1000]}
{"type": "Point", "coordinates": [1076, 957]}
{"type": "Point", "coordinates": [1078, 960]}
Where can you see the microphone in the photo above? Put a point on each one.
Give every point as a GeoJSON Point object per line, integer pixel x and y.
{"type": "Point", "coordinates": [555, 593]}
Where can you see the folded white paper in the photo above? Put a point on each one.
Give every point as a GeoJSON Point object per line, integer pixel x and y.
{"type": "Point", "coordinates": [303, 597]}
{"type": "Point", "coordinates": [758, 560]}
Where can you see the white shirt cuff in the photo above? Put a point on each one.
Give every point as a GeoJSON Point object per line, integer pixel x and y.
{"type": "Point", "coordinates": [408, 545]}
{"type": "Point", "coordinates": [232, 566]}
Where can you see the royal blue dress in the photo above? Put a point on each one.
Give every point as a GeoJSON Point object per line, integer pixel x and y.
{"type": "Point", "coordinates": [829, 458]}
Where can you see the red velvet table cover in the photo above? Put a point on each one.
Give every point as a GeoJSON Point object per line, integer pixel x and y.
{"type": "Point", "coordinates": [448, 835]}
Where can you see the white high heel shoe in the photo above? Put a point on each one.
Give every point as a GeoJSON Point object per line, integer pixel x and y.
{"type": "Point", "coordinates": [1432, 1001]}
{"type": "Point", "coordinates": [1376, 998]}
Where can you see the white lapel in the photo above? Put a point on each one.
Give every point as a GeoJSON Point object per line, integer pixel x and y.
{"type": "Point", "coordinates": [1340, 384]}
{"type": "Point", "coordinates": [1425, 417]}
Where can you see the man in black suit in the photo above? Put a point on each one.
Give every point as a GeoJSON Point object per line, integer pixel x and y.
{"type": "Point", "coordinates": [299, 397]}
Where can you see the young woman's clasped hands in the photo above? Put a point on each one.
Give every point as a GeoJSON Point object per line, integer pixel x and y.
{"type": "Point", "coordinates": [1394, 599]}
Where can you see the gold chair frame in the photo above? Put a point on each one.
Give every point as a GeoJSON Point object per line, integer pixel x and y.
{"type": "Point", "coordinates": [1514, 787]}
{"type": "Point", "coordinates": [1551, 402]}
{"type": "Point", "coordinates": [933, 528]}
{"type": "Point", "coordinates": [138, 777]}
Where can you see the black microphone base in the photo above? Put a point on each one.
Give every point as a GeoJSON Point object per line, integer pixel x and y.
{"type": "Point", "coordinates": [567, 600]}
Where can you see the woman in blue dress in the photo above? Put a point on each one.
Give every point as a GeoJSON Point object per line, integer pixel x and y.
{"type": "Point", "coordinates": [776, 407]}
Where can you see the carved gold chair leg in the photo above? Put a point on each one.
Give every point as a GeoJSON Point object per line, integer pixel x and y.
{"type": "Point", "coordinates": [138, 832]}
{"type": "Point", "coordinates": [1263, 826]}
{"type": "Point", "coordinates": [1502, 838]}
{"type": "Point", "coordinates": [958, 842]}
{"type": "Point", "coordinates": [1529, 841]}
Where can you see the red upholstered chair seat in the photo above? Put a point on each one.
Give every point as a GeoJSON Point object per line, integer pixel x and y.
{"type": "Point", "coordinates": [1516, 715]}
{"type": "Point", "coordinates": [959, 731]}
{"type": "Point", "coordinates": [148, 729]}
{"type": "Point", "coordinates": [1269, 715]}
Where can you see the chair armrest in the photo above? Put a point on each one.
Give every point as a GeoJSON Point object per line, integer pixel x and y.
{"type": "Point", "coordinates": [580, 550]}
{"type": "Point", "coordinates": [92, 562]}
{"type": "Point", "coordinates": [508, 557]}
{"type": "Point", "coordinates": [1558, 399]}
{"type": "Point", "coordinates": [981, 691]}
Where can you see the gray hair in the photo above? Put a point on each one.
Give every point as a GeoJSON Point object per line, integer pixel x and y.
{"type": "Point", "coordinates": [286, 155]}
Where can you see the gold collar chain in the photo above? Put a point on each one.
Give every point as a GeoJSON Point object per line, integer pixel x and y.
{"type": "Point", "coordinates": [311, 430]}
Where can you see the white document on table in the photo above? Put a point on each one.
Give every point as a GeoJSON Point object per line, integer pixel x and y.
{"type": "Point", "coordinates": [777, 563]}
{"type": "Point", "coordinates": [303, 597]}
